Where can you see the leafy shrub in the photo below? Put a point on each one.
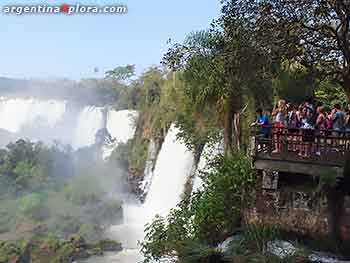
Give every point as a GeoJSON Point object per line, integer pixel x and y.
{"type": "Point", "coordinates": [208, 217]}
{"type": "Point", "coordinates": [31, 204]}
{"type": "Point", "coordinates": [218, 206]}
{"type": "Point", "coordinates": [84, 189]}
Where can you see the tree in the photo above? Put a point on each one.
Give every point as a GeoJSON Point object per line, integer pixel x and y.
{"type": "Point", "coordinates": [121, 73]}
{"type": "Point", "coordinates": [220, 67]}
{"type": "Point", "coordinates": [314, 33]}
{"type": "Point", "coordinates": [199, 59]}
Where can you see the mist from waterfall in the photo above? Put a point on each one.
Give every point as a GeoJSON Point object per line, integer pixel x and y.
{"type": "Point", "coordinates": [173, 167]}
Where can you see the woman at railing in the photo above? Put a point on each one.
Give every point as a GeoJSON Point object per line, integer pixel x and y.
{"type": "Point", "coordinates": [293, 127]}
{"type": "Point", "coordinates": [307, 133]}
{"type": "Point", "coordinates": [320, 128]}
{"type": "Point", "coordinates": [279, 115]}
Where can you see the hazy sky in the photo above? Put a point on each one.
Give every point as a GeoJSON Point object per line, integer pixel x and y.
{"type": "Point", "coordinates": [55, 46]}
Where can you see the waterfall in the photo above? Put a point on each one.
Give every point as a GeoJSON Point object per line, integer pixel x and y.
{"type": "Point", "coordinates": [171, 172]}
{"type": "Point", "coordinates": [151, 158]}
{"type": "Point", "coordinates": [89, 122]}
{"type": "Point", "coordinates": [172, 169]}
{"type": "Point", "coordinates": [209, 152]}
{"type": "Point", "coordinates": [50, 120]}
{"type": "Point", "coordinates": [121, 126]}
{"type": "Point", "coordinates": [17, 114]}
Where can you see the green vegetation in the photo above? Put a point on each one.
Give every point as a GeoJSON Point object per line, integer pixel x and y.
{"type": "Point", "coordinates": [52, 250]}
{"type": "Point", "coordinates": [51, 192]}
{"type": "Point", "coordinates": [201, 222]}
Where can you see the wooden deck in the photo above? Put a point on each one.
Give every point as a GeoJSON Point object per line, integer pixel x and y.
{"type": "Point", "coordinates": [327, 152]}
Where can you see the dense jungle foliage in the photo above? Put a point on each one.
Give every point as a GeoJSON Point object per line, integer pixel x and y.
{"type": "Point", "coordinates": [51, 191]}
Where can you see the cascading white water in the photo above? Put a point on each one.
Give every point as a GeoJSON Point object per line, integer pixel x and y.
{"type": "Point", "coordinates": [151, 158]}
{"type": "Point", "coordinates": [50, 120]}
{"type": "Point", "coordinates": [208, 153]}
{"type": "Point", "coordinates": [121, 126]}
{"type": "Point", "coordinates": [15, 114]}
{"type": "Point", "coordinates": [89, 122]}
{"type": "Point", "coordinates": [172, 169]}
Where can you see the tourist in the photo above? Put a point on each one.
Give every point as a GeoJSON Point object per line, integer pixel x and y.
{"type": "Point", "coordinates": [320, 127]}
{"type": "Point", "coordinates": [338, 120]}
{"type": "Point", "coordinates": [307, 133]}
{"type": "Point", "coordinates": [321, 120]}
{"type": "Point", "coordinates": [329, 124]}
{"type": "Point", "coordinates": [293, 125]}
{"type": "Point", "coordinates": [262, 121]}
{"type": "Point", "coordinates": [347, 120]}
{"type": "Point", "coordinates": [310, 111]}
{"type": "Point", "coordinates": [279, 115]}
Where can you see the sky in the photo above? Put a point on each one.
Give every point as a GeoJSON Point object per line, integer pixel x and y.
{"type": "Point", "coordinates": [61, 46]}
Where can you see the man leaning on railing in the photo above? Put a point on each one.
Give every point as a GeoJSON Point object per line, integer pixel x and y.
{"type": "Point", "coordinates": [263, 124]}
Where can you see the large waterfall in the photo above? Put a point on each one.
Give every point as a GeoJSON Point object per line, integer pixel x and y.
{"type": "Point", "coordinates": [19, 114]}
{"type": "Point", "coordinates": [54, 120]}
{"type": "Point", "coordinates": [172, 169]}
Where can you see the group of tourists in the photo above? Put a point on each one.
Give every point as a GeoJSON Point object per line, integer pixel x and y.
{"type": "Point", "coordinates": [304, 123]}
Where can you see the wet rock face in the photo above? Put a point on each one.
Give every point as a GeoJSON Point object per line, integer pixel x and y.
{"type": "Point", "coordinates": [291, 211]}
{"type": "Point", "coordinates": [345, 219]}
{"type": "Point", "coordinates": [297, 209]}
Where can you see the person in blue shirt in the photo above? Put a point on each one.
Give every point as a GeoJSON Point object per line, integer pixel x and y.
{"type": "Point", "coordinates": [261, 121]}
{"type": "Point", "coordinates": [338, 118]}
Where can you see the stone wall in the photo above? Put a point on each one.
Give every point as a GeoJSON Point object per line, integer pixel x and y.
{"type": "Point", "coordinates": [292, 207]}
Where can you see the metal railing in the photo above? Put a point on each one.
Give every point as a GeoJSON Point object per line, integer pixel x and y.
{"type": "Point", "coordinates": [325, 147]}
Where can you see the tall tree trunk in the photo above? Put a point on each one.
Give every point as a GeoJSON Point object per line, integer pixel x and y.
{"type": "Point", "coordinates": [237, 131]}
{"type": "Point", "coordinates": [228, 126]}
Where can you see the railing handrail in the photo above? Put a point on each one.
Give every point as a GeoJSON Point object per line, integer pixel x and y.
{"type": "Point", "coordinates": [299, 129]}
{"type": "Point", "coordinates": [325, 147]}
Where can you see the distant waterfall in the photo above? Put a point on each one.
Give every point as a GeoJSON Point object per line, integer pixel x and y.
{"type": "Point", "coordinates": [16, 114]}
{"type": "Point", "coordinates": [121, 126]}
{"type": "Point", "coordinates": [50, 120]}
{"type": "Point", "coordinates": [89, 122]}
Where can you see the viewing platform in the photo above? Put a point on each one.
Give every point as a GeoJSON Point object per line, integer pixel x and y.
{"type": "Point", "coordinates": [281, 151]}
